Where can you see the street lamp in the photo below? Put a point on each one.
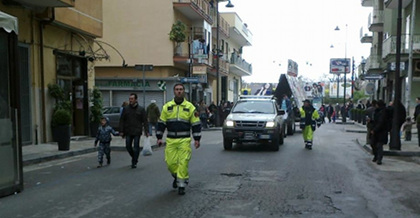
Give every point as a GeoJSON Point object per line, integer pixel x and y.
{"type": "Point", "coordinates": [346, 65]}
{"type": "Point", "coordinates": [228, 5]}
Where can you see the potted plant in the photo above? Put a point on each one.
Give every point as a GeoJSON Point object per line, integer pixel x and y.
{"type": "Point", "coordinates": [95, 111]}
{"type": "Point", "coordinates": [61, 117]}
{"type": "Point", "coordinates": [178, 35]}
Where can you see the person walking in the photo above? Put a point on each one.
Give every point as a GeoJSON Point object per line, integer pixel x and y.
{"type": "Point", "coordinates": [406, 129]}
{"type": "Point", "coordinates": [103, 136]}
{"type": "Point", "coordinates": [379, 131]}
{"type": "Point", "coordinates": [203, 112]}
{"type": "Point", "coordinates": [330, 111]}
{"type": "Point", "coordinates": [132, 123]}
{"type": "Point", "coordinates": [153, 114]}
{"type": "Point", "coordinates": [180, 118]}
{"type": "Point", "coordinates": [369, 122]}
{"type": "Point", "coordinates": [308, 122]}
{"type": "Point", "coordinates": [417, 118]}
{"type": "Point", "coordinates": [337, 111]}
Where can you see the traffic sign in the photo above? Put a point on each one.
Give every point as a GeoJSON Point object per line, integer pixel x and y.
{"type": "Point", "coordinates": [190, 80]}
{"type": "Point", "coordinates": [144, 67]}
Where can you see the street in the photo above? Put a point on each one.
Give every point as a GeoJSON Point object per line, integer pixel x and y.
{"type": "Point", "coordinates": [335, 179]}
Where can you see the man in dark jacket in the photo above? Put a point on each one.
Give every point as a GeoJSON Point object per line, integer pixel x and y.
{"type": "Point", "coordinates": [369, 122]}
{"type": "Point", "coordinates": [379, 131]}
{"type": "Point", "coordinates": [132, 123]}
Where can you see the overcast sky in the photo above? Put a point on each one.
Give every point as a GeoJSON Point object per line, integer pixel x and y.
{"type": "Point", "coordinates": [301, 30]}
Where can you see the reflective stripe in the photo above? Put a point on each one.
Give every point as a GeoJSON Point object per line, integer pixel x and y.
{"type": "Point", "coordinates": [197, 134]}
{"type": "Point", "coordinates": [178, 134]}
{"type": "Point", "coordinates": [159, 132]}
{"type": "Point", "coordinates": [178, 120]}
{"type": "Point", "coordinates": [196, 123]}
{"type": "Point", "coordinates": [161, 121]}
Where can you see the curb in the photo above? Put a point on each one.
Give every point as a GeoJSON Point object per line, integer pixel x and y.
{"type": "Point", "coordinates": [391, 153]}
{"type": "Point", "coordinates": [67, 154]}
{"type": "Point", "coordinates": [356, 130]}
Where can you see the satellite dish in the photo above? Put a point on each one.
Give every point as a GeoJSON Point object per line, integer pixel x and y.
{"type": "Point", "coordinates": [370, 88]}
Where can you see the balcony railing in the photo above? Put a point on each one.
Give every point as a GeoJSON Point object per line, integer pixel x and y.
{"type": "Point", "coordinates": [365, 37]}
{"type": "Point", "coordinates": [376, 21]}
{"type": "Point", "coordinates": [224, 26]}
{"type": "Point", "coordinates": [390, 45]}
{"type": "Point", "coordinates": [201, 7]}
{"type": "Point", "coordinates": [241, 63]}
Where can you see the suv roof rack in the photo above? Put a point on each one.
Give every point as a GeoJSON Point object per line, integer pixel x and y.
{"type": "Point", "coordinates": [268, 97]}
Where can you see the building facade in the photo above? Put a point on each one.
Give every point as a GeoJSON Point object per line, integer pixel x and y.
{"type": "Point", "coordinates": [140, 37]}
{"type": "Point", "coordinates": [379, 68]}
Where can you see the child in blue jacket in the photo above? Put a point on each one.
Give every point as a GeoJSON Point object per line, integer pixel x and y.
{"type": "Point", "coordinates": [103, 136]}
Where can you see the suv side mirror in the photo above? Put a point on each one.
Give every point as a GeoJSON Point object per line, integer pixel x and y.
{"type": "Point", "coordinates": [281, 112]}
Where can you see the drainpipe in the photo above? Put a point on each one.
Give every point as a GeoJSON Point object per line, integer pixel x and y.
{"type": "Point", "coordinates": [42, 25]}
{"type": "Point", "coordinates": [410, 60]}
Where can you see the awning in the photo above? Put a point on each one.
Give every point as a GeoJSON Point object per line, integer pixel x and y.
{"type": "Point", "coordinates": [8, 23]}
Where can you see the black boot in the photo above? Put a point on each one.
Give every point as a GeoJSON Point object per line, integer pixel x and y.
{"type": "Point", "coordinates": [181, 191]}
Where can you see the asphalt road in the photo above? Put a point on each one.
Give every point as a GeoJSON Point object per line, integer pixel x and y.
{"type": "Point", "coordinates": [335, 179]}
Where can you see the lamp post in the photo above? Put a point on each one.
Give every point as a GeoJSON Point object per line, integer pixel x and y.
{"type": "Point", "coordinates": [346, 65]}
{"type": "Point", "coordinates": [228, 5]}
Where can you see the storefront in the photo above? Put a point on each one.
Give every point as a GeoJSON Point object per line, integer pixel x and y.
{"type": "Point", "coordinates": [116, 91]}
{"type": "Point", "coordinates": [11, 178]}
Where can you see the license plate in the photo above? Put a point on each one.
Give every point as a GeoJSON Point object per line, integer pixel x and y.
{"type": "Point", "coordinates": [249, 135]}
{"type": "Point", "coordinates": [264, 136]}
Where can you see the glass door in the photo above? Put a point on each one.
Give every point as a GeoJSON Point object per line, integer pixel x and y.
{"type": "Point", "coordinates": [9, 150]}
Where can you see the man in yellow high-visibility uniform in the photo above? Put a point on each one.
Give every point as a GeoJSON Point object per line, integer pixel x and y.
{"type": "Point", "coordinates": [309, 118]}
{"type": "Point", "coordinates": [179, 117]}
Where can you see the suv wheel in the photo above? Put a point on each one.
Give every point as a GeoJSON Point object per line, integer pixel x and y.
{"type": "Point", "coordinates": [281, 137]}
{"type": "Point", "coordinates": [291, 128]}
{"type": "Point", "coordinates": [227, 144]}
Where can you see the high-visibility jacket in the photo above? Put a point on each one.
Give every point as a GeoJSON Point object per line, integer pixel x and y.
{"type": "Point", "coordinates": [309, 116]}
{"type": "Point", "coordinates": [179, 120]}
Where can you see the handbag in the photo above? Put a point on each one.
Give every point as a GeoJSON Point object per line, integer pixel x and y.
{"type": "Point", "coordinates": [147, 147]}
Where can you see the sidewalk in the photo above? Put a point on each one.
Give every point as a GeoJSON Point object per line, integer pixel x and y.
{"type": "Point", "coordinates": [408, 148]}
{"type": "Point", "coordinates": [33, 154]}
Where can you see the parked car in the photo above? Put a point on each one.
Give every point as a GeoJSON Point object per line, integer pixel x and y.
{"type": "Point", "coordinates": [255, 119]}
{"type": "Point", "coordinates": [113, 115]}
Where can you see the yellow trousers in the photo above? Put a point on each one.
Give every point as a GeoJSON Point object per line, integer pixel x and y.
{"type": "Point", "coordinates": [177, 158]}
{"type": "Point", "coordinates": [308, 134]}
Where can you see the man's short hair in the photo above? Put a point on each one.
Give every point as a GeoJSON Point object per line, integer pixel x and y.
{"type": "Point", "coordinates": [179, 84]}
{"type": "Point", "coordinates": [374, 102]}
{"type": "Point", "coordinates": [134, 94]}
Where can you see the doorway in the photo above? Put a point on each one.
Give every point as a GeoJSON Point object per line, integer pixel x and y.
{"type": "Point", "coordinates": [72, 77]}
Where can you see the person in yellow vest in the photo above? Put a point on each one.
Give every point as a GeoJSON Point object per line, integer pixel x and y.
{"type": "Point", "coordinates": [179, 117]}
{"type": "Point", "coordinates": [308, 122]}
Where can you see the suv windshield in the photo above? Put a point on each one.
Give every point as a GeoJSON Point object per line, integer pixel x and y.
{"type": "Point", "coordinates": [263, 107]}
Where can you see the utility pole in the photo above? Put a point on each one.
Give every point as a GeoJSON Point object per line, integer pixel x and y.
{"type": "Point", "coordinates": [395, 132]}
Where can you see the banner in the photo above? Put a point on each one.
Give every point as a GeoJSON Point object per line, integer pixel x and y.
{"type": "Point", "coordinates": [337, 65]}
{"type": "Point", "coordinates": [292, 68]}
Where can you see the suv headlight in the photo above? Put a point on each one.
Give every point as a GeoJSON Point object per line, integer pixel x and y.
{"type": "Point", "coordinates": [270, 124]}
{"type": "Point", "coordinates": [230, 123]}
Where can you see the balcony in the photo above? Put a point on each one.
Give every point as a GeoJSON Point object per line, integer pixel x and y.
{"type": "Point", "coordinates": [45, 3]}
{"type": "Point", "coordinates": [199, 50]}
{"type": "Point", "coordinates": [239, 66]}
{"type": "Point", "coordinates": [194, 9]}
{"type": "Point", "coordinates": [376, 21]}
{"type": "Point", "coordinates": [223, 65]}
{"type": "Point", "coordinates": [389, 48]}
{"type": "Point", "coordinates": [373, 64]}
{"type": "Point", "coordinates": [223, 28]}
{"type": "Point", "coordinates": [365, 37]}
{"type": "Point", "coordinates": [239, 32]}
{"type": "Point", "coordinates": [393, 4]}
{"type": "Point", "coordinates": [367, 3]}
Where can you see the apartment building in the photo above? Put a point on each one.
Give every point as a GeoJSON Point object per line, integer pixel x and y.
{"type": "Point", "coordinates": [43, 42]}
{"type": "Point", "coordinates": [140, 37]}
{"type": "Point", "coordinates": [382, 34]}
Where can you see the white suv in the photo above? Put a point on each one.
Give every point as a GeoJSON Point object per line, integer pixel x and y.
{"type": "Point", "coordinates": [254, 119]}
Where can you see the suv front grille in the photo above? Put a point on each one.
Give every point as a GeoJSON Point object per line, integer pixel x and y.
{"type": "Point", "coordinates": [257, 124]}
